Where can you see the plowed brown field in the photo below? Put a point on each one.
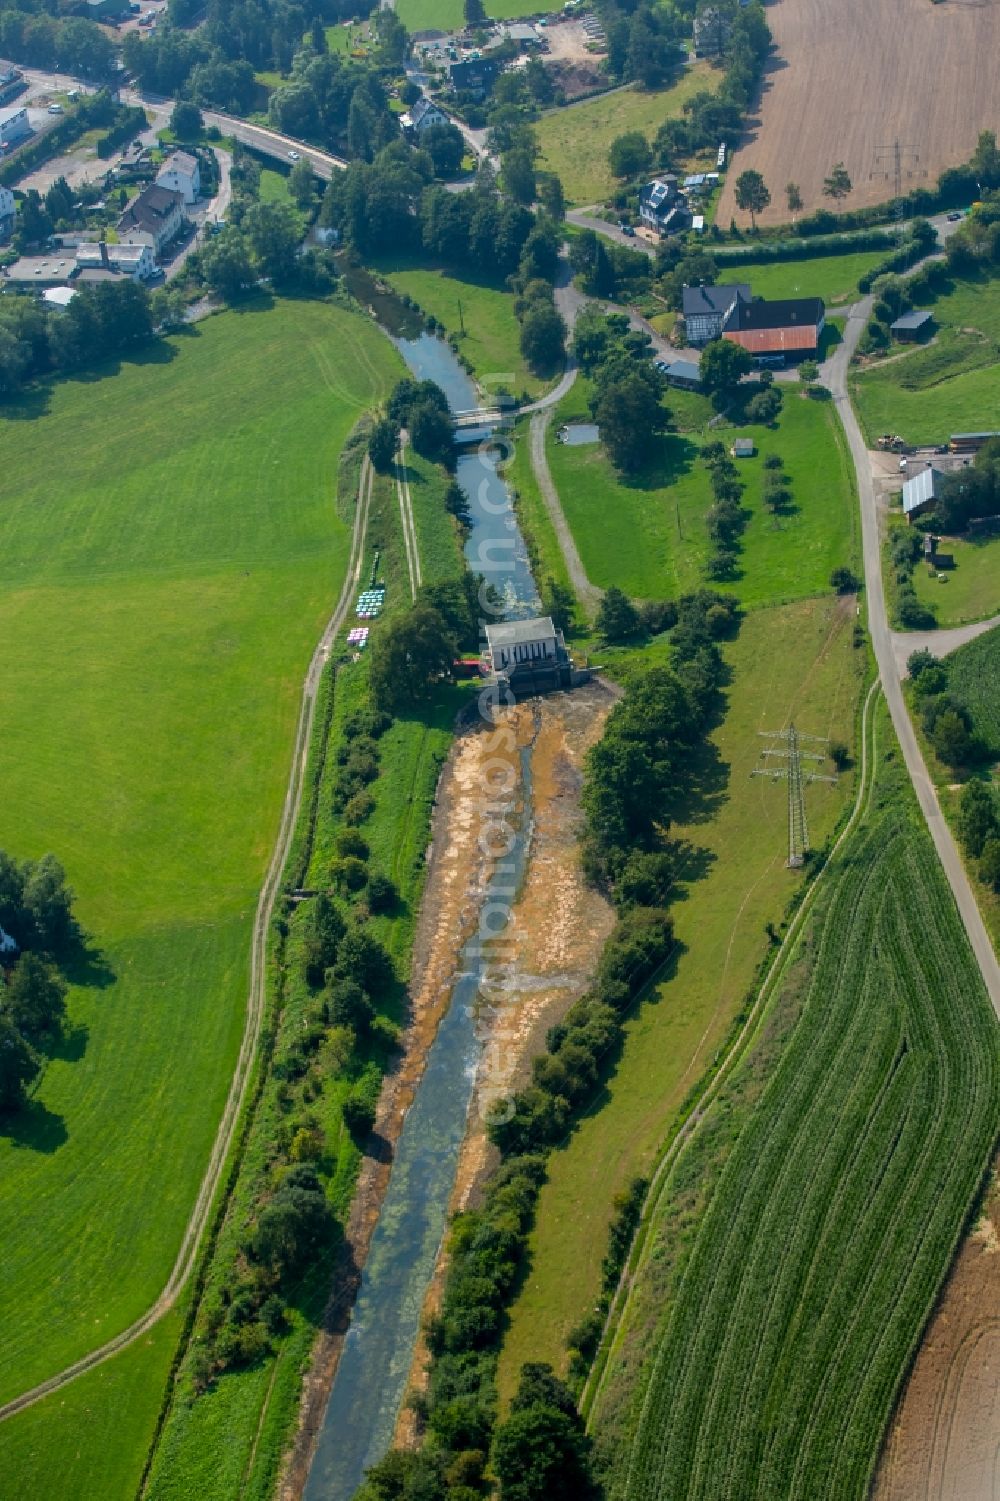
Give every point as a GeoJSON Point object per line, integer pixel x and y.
{"type": "Point", "coordinates": [943, 1444]}
{"type": "Point", "coordinates": [852, 77]}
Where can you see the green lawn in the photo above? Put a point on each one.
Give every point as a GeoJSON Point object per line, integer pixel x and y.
{"type": "Point", "coordinates": [574, 140]}
{"type": "Point", "coordinates": [448, 15]}
{"type": "Point", "coordinates": [970, 590]}
{"type": "Point", "coordinates": [159, 600]}
{"type": "Point", "coordinates": [949, 385]}
{"type": "Point", "coordinates": [491, 341]}
{"type": "Point", "coordinates": [795, 661]}
{"type": "Point", "coordinates": [649, 537]}
{"type": "Point", "coordinates": [274, 186]}
{"type": "Point", "coordinates": [832, 277]}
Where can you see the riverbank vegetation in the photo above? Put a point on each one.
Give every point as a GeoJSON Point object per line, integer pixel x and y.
{"type": "Point", "coordinates": [867, 1132]}
{"type": "Point", "coordinates": [184, 630]}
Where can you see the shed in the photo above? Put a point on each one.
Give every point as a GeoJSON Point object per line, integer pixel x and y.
{"type": "Point", "coordinates": [743, 448]}
{"type": "Point", "coordinates": [920, 492]}
{"type": "Point", "coordinates": [911, 325]}
{"type": "Point", "coordinates": [686, 374]}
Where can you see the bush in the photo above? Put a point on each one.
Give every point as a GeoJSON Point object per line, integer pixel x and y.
{"type": "Point", "coordinates": [844, 581]}
{"type": "Point", "coordinates": [383, 895]}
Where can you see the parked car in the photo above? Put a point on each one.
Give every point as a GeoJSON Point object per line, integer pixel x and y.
{"type": "Point", "coordinates": [663, 366]}
{"type": "Point", "coordinates": [954, 215]}
{"type": "Point", "coordinates": [627, 229]}
{"type": "Point", "coordinates": [55, 109]}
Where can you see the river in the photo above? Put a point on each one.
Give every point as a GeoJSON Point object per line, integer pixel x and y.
{"type": "Point", "coordinates": [370, 1381]}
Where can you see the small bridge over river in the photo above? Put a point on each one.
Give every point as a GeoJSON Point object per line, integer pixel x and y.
{"type": "Point", "coordinates": [481, 416]}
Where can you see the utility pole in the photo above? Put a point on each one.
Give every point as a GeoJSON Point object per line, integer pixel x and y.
{"type": "Point", "coordinates": [889, 162]}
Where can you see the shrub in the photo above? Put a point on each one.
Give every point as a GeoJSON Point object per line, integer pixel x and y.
{"type": "Point", "coordinates": [383, 895]}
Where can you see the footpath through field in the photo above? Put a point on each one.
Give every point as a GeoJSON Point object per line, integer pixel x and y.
{"type": "Point", "coordinates": [833, 374]}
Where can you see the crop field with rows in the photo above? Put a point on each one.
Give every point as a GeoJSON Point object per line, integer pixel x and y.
{"type": "Point", "coordinates": [800, 1293]}
{"type": "Point", "coordinates": [974, 679]}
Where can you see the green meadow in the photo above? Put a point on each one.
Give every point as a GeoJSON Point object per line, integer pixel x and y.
{"type": "Point", "coordinates": [164, 575]}
{"type": "Point", "coordinates": [647, 533]}
{"type": "Point", "coordinates": [832, 277]}
{"type": "Point", "coordinates": [950, 384]}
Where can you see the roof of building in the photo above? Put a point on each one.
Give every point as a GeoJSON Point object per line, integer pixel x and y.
{"type": "Point", "coordinates": [744, 447]}
{"type": "Point", "coordinates": [916, 318]}
{"type": "Point", "coordinates": [658, 194]}
{"type": "Point", "coordinates": [518, 632]}
{"type": "Point", "coordinates": [59, 296]}
{"type": "Point", "coordinates": [13, 114]}
{"type": "Point", "coordinates": [42, 268]}
{"type": "Point", "coordinates": [921, 489]}
{"type": "Point", "coordinates": [521, 31]}
{"type": "Point", "coordinates": [181, 161]}
{"type": "Point", "coordinates": [703, 300]}
{"type": "Point", "coordinates": [423, 106]}
{"type": "Point", "coordinates": [151, 207]}
{"type": "Point", "coordinates": [684, 370]}
{"type": "Point", "coordinates": [784, 312]}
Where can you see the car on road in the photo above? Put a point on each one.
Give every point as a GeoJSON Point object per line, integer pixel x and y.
{"type": "Point", "coordinates": [627, 229]}
{"type": "Point", "coordinates": [293, 156]}
{"type": "Point", "coordinates": [953, 216]}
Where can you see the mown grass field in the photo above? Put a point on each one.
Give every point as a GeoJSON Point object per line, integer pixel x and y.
{"type": "Point", "coordinates": [832, 277]}
{"type": "Point", "coordinates": [159, 601]}
{"type": "Point", "coordinates": [970, 590]}
{"type": "Point", "coordinates": [802, 1287]}
{"type": "Point", "coordinates": [575, 140]}
{"type": "Point", "coordinates": [794, 661]}
{"type": "Point", "coordinates": [648, 534]}
{"type": "Point", "coordinates": [947, 386]}
{"type": "Point", "coordinates": [491, 341]}
{"type": "Point", "coordinates": [448, 15]}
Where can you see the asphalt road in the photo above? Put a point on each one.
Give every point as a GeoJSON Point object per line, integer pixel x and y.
{"type": "Point", "coordinates": [834, 376]}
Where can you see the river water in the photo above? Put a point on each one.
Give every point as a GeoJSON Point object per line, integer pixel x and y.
{"type": "Point", "coordinates": [370, 1382]}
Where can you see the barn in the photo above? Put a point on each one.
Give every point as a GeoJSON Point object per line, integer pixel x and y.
{"type": "Point", "coordinates": [790, 326]}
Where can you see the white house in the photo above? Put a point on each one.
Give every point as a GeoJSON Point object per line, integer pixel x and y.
{"type": "Point", "coordinates": [14, 126]}
{"type": "Point", "coordinates": [422, 116]}
{"type": "Point", "coordinates": [180, 173]}
{"type": "Point", "coordinates": [154, 218]}
{"type": "Point", "coordinates": [6, 212]}
{"type": "Point", "coordinates": [136, 261]}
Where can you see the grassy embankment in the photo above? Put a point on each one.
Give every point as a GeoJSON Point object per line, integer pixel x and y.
{"type": "Point", "coordinates": [159, 604]}
{"type": "Point", "coordinates": [798, 1248]}
{"type": "Point", "coordinates": [648, 534]}
{"type": "Point", "coordinates": [491, 338]}
{"type": "Point", "coordinates": [225, 1443]}
{"type": "Point", "coordinates": [792, 662]}
{"type": "Point", "coordinates": [575, 140]}
{"type": "Point", "coordinates": [949, 385]}
{"type": "Point", "coordinates": [832, 277]}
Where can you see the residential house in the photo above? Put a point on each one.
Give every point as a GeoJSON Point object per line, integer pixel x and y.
{"type": "Point", "coordinates": [14, 127]}
{"type": "Point", "coordinates": [912, 325]}
{"type": "Point", "coordinates": [422, 115]}
{"type": "Point", "coordinates": [136, 260]}
{"type": "Point", "coordinates": [921, 492]}
{"type": "Point", "coordinates": [180, 173]}
{"type": "Point", "coordinates": [7, 213]}
{"type": "Point", "coordinates": [12, 83]}
{"type": "Point", "coordinates": [661, 207]}
{"type": "Point", "coordinates": [528, 656]}
{"type": "Point", "coordinates": [790, 326]}
{"type": "Point", "coordinates": [705, 309]}
{"type": "Point", "coordinates": [154, 218]}
{"type": "Point", "coordinates": [473, 75]}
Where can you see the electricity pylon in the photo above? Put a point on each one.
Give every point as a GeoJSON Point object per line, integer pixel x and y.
{"type": "Point", "coordinates": [798, 827]}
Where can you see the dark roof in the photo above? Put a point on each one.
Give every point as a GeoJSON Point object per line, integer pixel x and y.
{"type": "Point", "coordinates": [786, 312]}
{"type": "Point", "coordinates": [150, 208]}
{"type": "Point", "coordinates": [659, 194]}
{"type": "Point", "coordinates": [912, 320]}
{"type": "Point", "coordinates": [684, 370]}
{"type": "Point", "coordinates": [714, 299]}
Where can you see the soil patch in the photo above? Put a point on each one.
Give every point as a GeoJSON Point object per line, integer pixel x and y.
{"type": "Point", "coordinates": [942, 1445]}
{"type": "Point", "coordinates": [841, 87]}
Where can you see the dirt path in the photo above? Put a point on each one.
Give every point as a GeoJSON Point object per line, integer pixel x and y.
{"type": "Point", "coordinates": [187, 1255]}
{"type": "Point", "coordinates": [406, 517]}
{"type": "Point", "coordinates": [943, 1443]}
{"type": "Point", "coordinates": [588, 593]}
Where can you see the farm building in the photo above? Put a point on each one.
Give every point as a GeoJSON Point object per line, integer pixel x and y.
{"type": "Point", "coordinates": [789, 326]}
{"type": "Point", "coordinates": [422, 116]}
{"type": "Point", "coordinates": [743, 448]}
{"type": "Point", "coordinates": [969, 442]}
{"type": "Point", "coordinates": [12, 83]}
{"type": "Point", "coordinates": [528, 656]}
{"type": "Point", "coordinates": [180, 173]}
{"type": "Point", "coordinates": [706, 309]}
{"type": "Point", "coordinates": [14, 126]}
{"type": "Point", "coordinates": [522, 33]}
{"type": "Point", "coordinates": [154, 218]}
{"type": "Point", "coordinates": [685, 374]}
{"type": "Point", "coordinates": [912, 325]}
{"type": "Point", "coordinates": [920, 492]}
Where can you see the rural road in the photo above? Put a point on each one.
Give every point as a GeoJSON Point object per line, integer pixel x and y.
{"type": "Point", "coordinates": [938, 643]}
{"type": "Point", "coordinates": [834, 376]}
{"type": "Point", "coordinates": [187, 1255]}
